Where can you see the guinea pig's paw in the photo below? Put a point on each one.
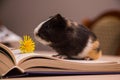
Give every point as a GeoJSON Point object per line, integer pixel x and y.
{"type": "Point", "coordinates": [87, 58]}
{"type": "Point", "coordinates": [60, 56]}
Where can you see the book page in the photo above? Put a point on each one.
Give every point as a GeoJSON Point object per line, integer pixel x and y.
{"type": "Point", "coordinates": [103, 59]}
{"type": "Point", "coordinates": [45, 60]}
{"type": "Point", "coordinates": [93, 61]}
{"type": "Point", "coordinates": [62, 64]}
{"type": "Point", "coordinates": [7, 52]}
{"type": "Point", "coordinates": [19, 56]}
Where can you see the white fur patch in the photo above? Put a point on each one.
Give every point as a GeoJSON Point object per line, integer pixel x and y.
{"type": "Point", "coordinates": [86, 50]}
{"type": "Point", "coordinates": [37, 37]}
{"type": "Point", "coordinates": [39, 26]}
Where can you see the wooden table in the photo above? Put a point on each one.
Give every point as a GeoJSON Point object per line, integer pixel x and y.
{"type": "Point", "coordinates": [80, 77]}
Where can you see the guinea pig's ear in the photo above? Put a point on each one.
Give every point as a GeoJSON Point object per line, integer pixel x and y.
{"type": "Point", "coordinates": [60, 19]}
{"type": "Point", "coordinates": [58, 16]}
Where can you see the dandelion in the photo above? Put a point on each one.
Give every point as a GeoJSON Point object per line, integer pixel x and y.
{"type": "Point", "coordinates": [27, 45]}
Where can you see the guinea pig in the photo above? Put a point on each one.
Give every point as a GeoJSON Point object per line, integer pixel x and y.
{"type": "Point", "coordinates": [68, 38]}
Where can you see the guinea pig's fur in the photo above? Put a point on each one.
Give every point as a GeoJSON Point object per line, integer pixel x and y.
{"type": "Point", "coordinates": [70, 39]}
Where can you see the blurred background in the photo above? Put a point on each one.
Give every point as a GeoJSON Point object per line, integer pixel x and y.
{"type": "Point", "coordinates": [22, 16]}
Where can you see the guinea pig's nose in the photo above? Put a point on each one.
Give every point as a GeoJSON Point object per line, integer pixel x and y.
{"type": "Point", "coordinates": [37, 34]}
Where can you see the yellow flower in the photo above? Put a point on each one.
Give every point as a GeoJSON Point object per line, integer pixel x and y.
{"type": "Point", "coordinates": [27, 45]}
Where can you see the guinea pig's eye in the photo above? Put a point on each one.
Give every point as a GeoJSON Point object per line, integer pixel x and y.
{"type": "Point", "coordinates": [48, 27]}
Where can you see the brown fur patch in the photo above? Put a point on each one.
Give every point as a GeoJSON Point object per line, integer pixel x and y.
{"type": "Point", "coordinates": [71, 23]}
{"type": "Point", "coordinates": [94, 54]}
{"type": "Point", "coordinates": [75, 23]}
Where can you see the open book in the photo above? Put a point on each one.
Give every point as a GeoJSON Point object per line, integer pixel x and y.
{"type": "Point", "coordinates": [12, 62]}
